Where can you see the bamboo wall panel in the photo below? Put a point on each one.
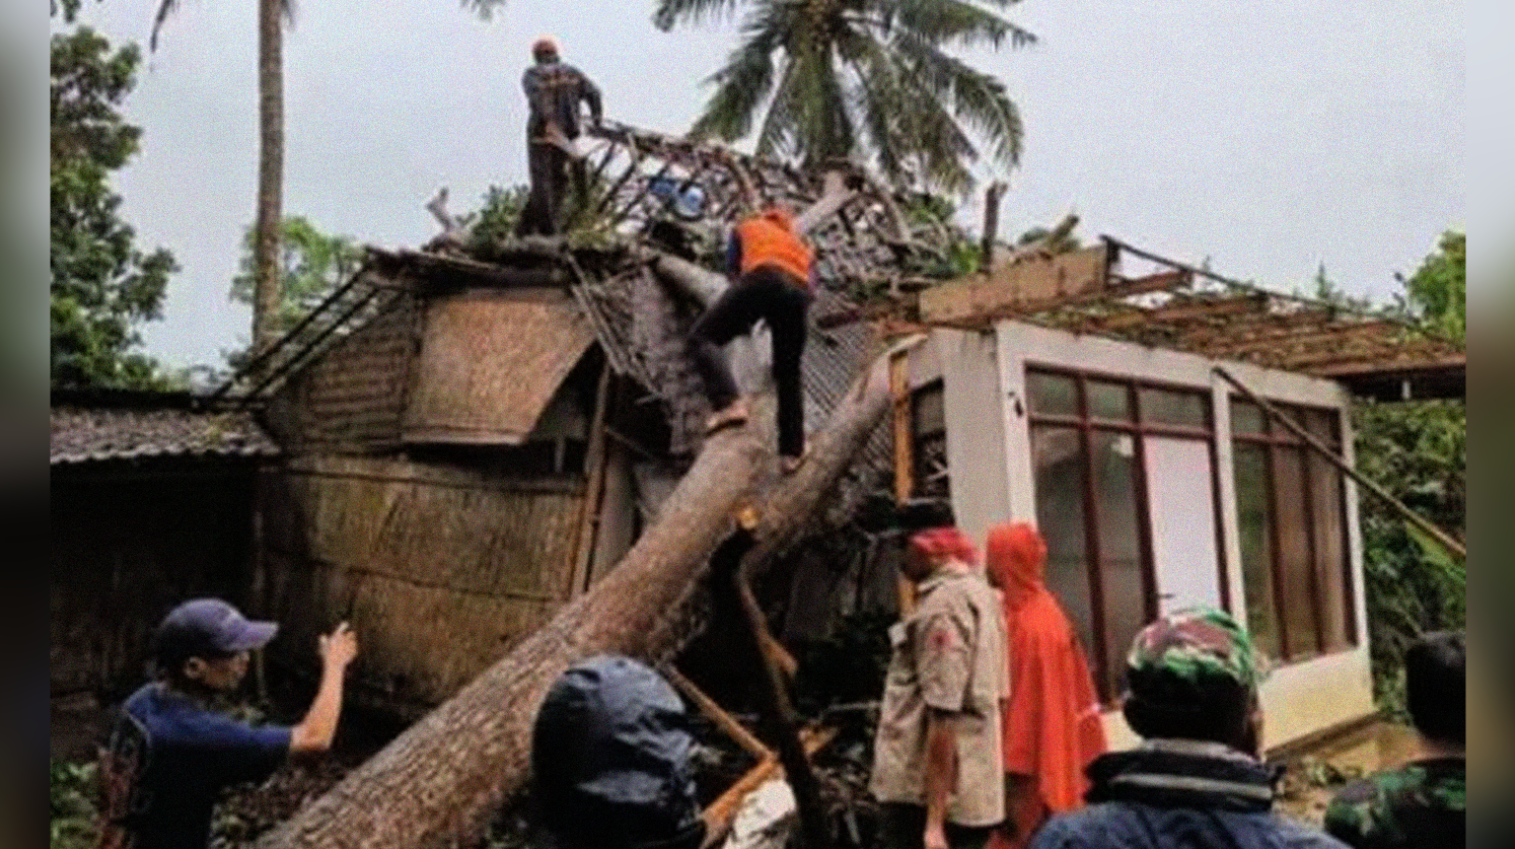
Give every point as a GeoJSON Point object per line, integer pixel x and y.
{"type": "Point", "coordinates": [440, 569]}
{"type": "Point", "coordinates": [490, 364]}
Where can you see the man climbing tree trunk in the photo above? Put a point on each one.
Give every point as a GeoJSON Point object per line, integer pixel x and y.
{"type": "Point", "coordinates": [270, 171]}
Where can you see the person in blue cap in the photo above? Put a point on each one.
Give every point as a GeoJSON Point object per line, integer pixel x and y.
{"type": "Point", "coordinates": [171, 753]}
{"type": "Point", "coordinates": [610, 761]}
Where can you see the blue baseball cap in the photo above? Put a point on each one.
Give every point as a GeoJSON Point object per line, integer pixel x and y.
{"type": "Point", "coordinates": [208, 628]}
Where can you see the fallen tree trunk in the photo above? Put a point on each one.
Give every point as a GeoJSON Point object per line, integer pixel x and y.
{"type": "Point", "coordinates": [438, 783]}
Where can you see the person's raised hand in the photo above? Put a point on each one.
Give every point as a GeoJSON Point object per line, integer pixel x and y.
{"type": "Point", "coordinates": [339, 647]}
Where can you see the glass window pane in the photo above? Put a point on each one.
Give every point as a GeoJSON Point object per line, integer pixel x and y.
{"type": "Point", "coordinates": [1253, 515]}
{"type": "Point", "coordinates": [1164, 406]}
{"type": "Point", "coordinates": [1121, 576]}
{"type": "Point", "coordinates": [1053, 394]}
{"type": "Point", "coordinates": [1321, 424]}
{"type": "Point", "coordinates": [1058, 459]}
{"type": "Point", "coordinates": [1283, 432]}
{"type": "Point", "coordinates": [930, 414]}
{"type": "Point", "coordinates": [1296, 565]}
{"type": "Point", "coordinates": [1331, 569]}
{"type": "Point", "coordinates": [1109, 401]}
{"type": "Point", "coordinates": [1247, 417]}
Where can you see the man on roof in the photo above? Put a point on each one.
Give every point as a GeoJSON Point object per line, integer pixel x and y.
{"type": "Point", "coordinates": [771, 267]}
{"type": "Point", "coordinates": [554, 91]}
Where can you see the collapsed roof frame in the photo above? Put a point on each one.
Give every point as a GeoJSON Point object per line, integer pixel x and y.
{"type": "Point", "coordinates": [1171, 304]}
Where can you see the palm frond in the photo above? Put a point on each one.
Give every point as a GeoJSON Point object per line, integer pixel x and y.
{"type": "Point", "coordinates": [167, 8]}
{"type": "Point", "coordinates": [777, 137]}
{"type": "Point", "coordinates": [483, 8]}
{"type": "Point", "coordinates": [741, 85]}
{"type": "Point", "coordinates": [977, 98]}
{"type": "Point", "coordinates": [956, 23]}
{"type": "Point", "coordinates": [670, 12]}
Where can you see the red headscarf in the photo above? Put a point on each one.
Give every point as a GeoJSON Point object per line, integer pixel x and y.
{"type": "Point", "coordinates": [947, 542]}
{"type": "Point", "coordinates": [1052, 726]}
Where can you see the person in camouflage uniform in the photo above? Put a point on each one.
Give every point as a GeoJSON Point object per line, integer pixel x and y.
{"type": "Point", "coordinates": [1423, 803]}
{"type": "Point", "coordinates": [1196, 781]}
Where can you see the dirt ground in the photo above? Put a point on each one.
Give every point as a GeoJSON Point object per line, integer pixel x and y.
{"type": "Point", "coordinates": [1316, 773]}
{"type": "Point", "coordinates": [1313, 775]}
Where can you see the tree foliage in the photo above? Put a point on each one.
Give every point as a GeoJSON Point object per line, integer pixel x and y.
{"type": "Point", "coordinates": [1418, 451]}
{"type": "Point", "coordinates": [311, 264]}
{"type": "Point", "coordinates": [102, 286]}
{"type": "Point", "coordinates": [864, 78]}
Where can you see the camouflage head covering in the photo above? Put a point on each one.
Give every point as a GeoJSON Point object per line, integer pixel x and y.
{"type": "Point", "coordinates": [1196, 644]}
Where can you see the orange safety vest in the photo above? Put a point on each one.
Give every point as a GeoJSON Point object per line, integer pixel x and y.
{"type": "Point", "coordinates": [769, 239]}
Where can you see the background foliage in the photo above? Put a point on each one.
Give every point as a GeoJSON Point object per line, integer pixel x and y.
{"type": "Point", "coordinates": [102, 287]}
{"type": "Point", "coordinates": [1418, 451]}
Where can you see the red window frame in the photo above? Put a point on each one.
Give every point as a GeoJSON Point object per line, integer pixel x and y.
{"type": "Point", "coordinates": [1139, 428]}
{"type": "Point", "coordinates": [1276, 441]}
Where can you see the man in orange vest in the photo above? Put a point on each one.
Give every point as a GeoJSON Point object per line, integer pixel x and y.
{"type": "Point", "coordinates": [771, 266]}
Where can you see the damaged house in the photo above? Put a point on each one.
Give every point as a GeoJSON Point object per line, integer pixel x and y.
{"type": "Point", "coordinates": [1113, 397]}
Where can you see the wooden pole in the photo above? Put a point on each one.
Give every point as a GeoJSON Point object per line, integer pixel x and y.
{"type": "Point", "coordinates": [904, 459]}
{"type": "Point", "coordinates": [731, 597]}
{"type": "Point", "coordinates": [991, 226]}
{"type": "Point", "coordinates": [1447, 541]}
{"type": "Point", "coordinates": [594, 462]}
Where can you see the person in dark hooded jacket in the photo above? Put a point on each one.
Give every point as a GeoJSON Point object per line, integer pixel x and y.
{"type": "Point", "coordinates": [1196, 781]}
{"type": "Point", "coordinates": [610, 761]}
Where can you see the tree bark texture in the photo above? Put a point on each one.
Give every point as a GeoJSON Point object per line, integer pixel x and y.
{"type": "Point", "coordinates": [438, 783]}
{"type": "Point", "coordinates": [270, 174]}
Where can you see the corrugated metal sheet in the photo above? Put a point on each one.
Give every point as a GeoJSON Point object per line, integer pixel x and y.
{"type": "Point", "coordinates": [489, 365]}
{"type": "Point", "coordinates": [82, 434]}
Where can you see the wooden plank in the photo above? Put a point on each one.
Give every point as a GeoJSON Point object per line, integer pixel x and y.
{"type": "Point", "coordinates": [1388, 360]}
{"type": "Point", "coordinates": [983, 298]}
{"type": "Point", "coordinates": [1181, 312]}
{"type": "Point", "coordinates": [719, 814]}
{"type": "Point", "coordinates": [594, 462]}
{"type": "Point", "coordinates": [718, 715]}
{"type": "Point", "coordinates": [1284, 338]}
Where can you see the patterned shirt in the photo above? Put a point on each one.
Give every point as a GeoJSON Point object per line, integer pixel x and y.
{"type": "Point", "coordinates": [553, 91]}
{"type": "Point", "coordinates": [1423, 803]}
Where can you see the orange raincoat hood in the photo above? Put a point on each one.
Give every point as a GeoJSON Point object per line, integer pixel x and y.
{"type": "Point", "coordinates": [1052, 727]}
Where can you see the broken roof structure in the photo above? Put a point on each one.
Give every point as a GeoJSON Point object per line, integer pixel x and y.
{"type": "Point", "coordinates": [1116, 290]}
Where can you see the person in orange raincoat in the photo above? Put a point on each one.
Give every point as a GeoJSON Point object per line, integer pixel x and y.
{"type": "Point", "coordinates": [1051, 724]}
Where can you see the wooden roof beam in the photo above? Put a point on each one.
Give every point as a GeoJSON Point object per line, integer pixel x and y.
{"type": "Point", "coordinates": [1182, 312]}
{"type": "Point", "coordinates": [1292, 337]}
{"type": "Point", "coordinates": [1360, 365]}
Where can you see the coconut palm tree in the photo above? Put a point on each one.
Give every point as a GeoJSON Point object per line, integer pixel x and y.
{"type": "Point", "coordinates": [863, 78]}
{"type": "Point", "coordinates": [273, 15]}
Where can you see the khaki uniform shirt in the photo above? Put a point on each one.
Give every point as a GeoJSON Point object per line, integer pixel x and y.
{"type": "Point", "coordinates": [948, 655]}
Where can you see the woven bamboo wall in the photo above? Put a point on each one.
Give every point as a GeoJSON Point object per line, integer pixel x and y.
{"type": "Point", "coordinates": [440, 569]}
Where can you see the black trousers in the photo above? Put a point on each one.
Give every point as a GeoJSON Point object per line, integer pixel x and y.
{"type": "Point", "coordinates": [777, 298]}
{"type": "Point", "coordinates": [552, 171]}
{"type": "Point", "coordinates": [903, 826]}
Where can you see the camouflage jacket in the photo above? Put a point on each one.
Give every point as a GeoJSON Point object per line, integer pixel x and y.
{"type": "Point", "coordinates": [1423, 803]}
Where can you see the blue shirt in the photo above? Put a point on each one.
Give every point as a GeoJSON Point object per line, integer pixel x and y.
{"type": "Point", "coordinates": [181, 756]}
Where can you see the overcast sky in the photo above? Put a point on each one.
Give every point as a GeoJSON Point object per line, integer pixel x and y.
{"type": "Point", "coordinates": [1267, 137]}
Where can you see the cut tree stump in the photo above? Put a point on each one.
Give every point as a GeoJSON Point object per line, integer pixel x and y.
{"type": "Point", "coordinates": [439, 782]}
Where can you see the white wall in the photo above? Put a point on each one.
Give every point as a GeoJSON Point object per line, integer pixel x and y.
{"type": "Point", "coordinates": [989, 451]}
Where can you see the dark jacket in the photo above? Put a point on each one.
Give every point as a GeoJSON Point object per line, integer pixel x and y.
{"type": "Point", "coordinates": [610, 758]}
{"type": "Point", "coordinates": [553, 91]}
{"type": "Point", "coordinates": [1179, 794]}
